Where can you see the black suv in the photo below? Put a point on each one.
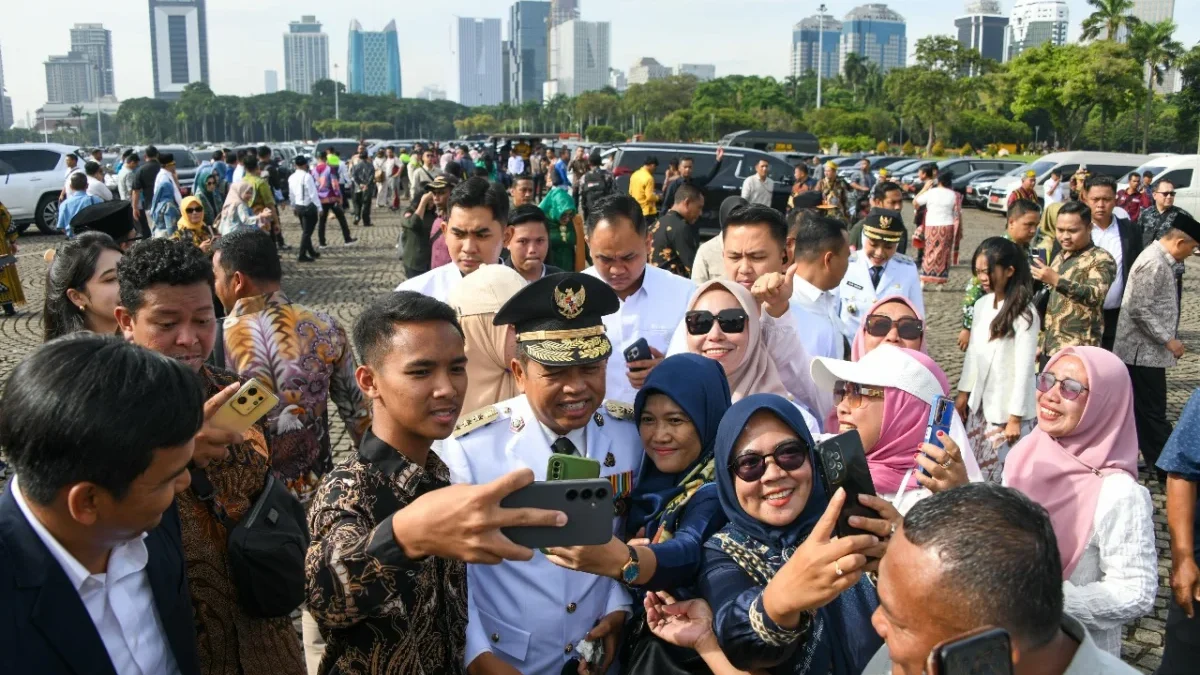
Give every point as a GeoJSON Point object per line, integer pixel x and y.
{"type": "Point", "coordinates": [737, 165]}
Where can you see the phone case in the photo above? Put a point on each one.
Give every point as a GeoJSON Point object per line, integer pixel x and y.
{"type": "Point", "coordinates": [571, 467]}
{"type": "Point", "coordinates": [941, 414]}
{"type": "Point", "coordinates": [587, 503]}
{"type": "Point", "coordinates": [638, 351]}
{"type": "Point", "coordinates": [844, 465]}
{"type": "Point", "coordinates": [252, 402]}
{"type": "Point", "coordinates": [987, 651]}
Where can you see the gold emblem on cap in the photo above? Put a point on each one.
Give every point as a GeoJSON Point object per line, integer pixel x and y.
{"type": "Point", "coordinates": [570, 301]}
{"type": "Point", "coordinates": [885, 222]}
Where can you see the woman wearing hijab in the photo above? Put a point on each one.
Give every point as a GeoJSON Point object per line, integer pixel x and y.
{"type": "Point", "coordinates": [235, 213]}
{"type": "Point", "coordinates": [892, 320]}
{"type": "Point", "coordinates": [1181, 460]}
{"type": "Point", "coordinates": [164, 206]}
{"type": "Point", "coordinates": [568, 251]}
{"type": "Point", "coordinates": [489, 348]}
{"type": "Point", "coordinates": [207, 188]}
{"type": "Point", "coordinates": [887, 396]}
{"type": "Point", "coordinates": [191, 226]}
{"type": "Point", "coordinates": [778, 595]}
{"type": "Point", "coordinates": [1080, 463]}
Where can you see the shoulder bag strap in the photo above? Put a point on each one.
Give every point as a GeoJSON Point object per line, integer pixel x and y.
{"type": "Point", "coordinates": [206, 493]}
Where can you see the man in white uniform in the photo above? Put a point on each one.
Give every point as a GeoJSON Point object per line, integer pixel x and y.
{"type": "Point", "coordinates": [533, 615]}
{"type": "Point", "coordinates": [877, 271]}
{"type": "Point", "coordinates": [474, 234]}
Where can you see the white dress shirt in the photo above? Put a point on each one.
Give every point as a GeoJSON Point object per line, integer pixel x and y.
{"type": "Point", "coordinates": [436, 283]}
{"type": "Point", "coordinates": [652, 312]}
{"type": "Point", "coordinates": [239, 173]}
{"type": "Point", "coordinates": [119, 601]}
{"type": "Point", "coordinates": [817, 319]}
{"type": "Point", "coordinates": [758, 191]}
{"type": "Point", "coordinates": [302, 190]}
{"type": "Point", "coordinates": [98, 189]}
{"type": "Point", "coordinates": [1055, 192]}
{"type": "Point", "coordinates": [516, 165]}
{"type": "Point", "coordinates": [1109, 239]}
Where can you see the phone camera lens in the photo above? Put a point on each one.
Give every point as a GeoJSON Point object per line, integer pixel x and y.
{"type": "Point", "coordinates": [586, 494]}
{"type": "Point", "coordinates": [601, 493]}
{"type": "Point", "coordinates": [241, 400]}
{"type": "Point", "coordinates": [572, 494]}
{"type": "Point", "coordinates": [253, 391]}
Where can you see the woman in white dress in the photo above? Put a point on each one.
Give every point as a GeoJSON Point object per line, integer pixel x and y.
{"type": "Point", "coordinates": [941, 232]}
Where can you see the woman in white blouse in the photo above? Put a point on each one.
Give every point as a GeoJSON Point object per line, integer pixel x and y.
{"type": "Point", "coordinates": [1080, 463]}
{"type": "Point", "coordinates": [995, 391]}
{"type": "Point", "coordinates": [941, 232]}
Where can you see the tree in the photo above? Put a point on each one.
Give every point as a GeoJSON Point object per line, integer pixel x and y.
{"type": "Point", "coordinates": [1108, 18]}
{"type": "Point", "coordinates": [947, 54]}
{"type": "Point", "coordinates": [605, 134]}
{"type": "Point", "coordinates": [1154, 45]}
{"type": "Point", "coordinates": [928, 96]}
{"type": "Point", "coordinates": [854, 70]}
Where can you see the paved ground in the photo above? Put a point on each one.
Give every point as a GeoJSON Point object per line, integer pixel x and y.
{"type": "Point", "coordinates": [346, 278]}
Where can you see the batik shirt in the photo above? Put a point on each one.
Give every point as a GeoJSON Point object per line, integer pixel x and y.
{"type": "Point", "coordinates": [304, 357]}
{"type": "Point", "coordinates": [1075, 315]}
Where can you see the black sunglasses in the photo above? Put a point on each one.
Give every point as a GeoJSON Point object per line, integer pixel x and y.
{"type": "Point", "coordinates": [700, 321]}
{"type": "Point", "coordinates": [789, 456]}
{"type": "Point", "coordinates": [1069, 388]}
{"type": "Point", "coordinates": [194, 209]}
{"type": "Point", "coordinates": [908, 328]}
{"type": "Point", "coordinates": [1166, 194]}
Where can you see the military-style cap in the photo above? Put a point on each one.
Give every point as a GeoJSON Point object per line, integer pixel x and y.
{"type": "Point", "coordinates": [113, 218]}
{"type": "Point", "coordinates": [560, 319]}
{"type": "Point", "coordinates": [1186, 224]}
{"type": "Point", "coordinates": [807, 200]}
{"type": "Point", "coordinates": [443, 182]}
{"type": "Point", "coordinates": [884, 225]}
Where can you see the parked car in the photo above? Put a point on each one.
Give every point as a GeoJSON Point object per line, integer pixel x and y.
{"type": "Point", "coordinates": [772, 141]}
{"type": "Point", "coordinates": [977, 189]}
{"type": "Point", "coordinates": [345, 146]}
{"type": "Point", "coordinates": [960, 183]}
{"type": "Point", "coordinates": [900, 167]}
{"type": "Point", "coordinates": [1184, 173]}
{"type": "Point", "coordinates": [958, 166]}
{"type": "Point", "coordinates": [186, 164]}
{"type": "Point", "coordinates": [31, 179]}
{"type": "Point", "coordinates": [738, 165]}
{"type": "Point", "coordinates": [1115, 164]}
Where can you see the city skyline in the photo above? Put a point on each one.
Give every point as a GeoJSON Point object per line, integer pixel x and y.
{"type": "Point", "coordinates": [305, 54]}
{"type": "Point", "coordinates": [237, 30]}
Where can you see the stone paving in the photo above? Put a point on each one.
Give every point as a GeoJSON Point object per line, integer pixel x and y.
{"type": "Point", "coordinates": [345, 279]}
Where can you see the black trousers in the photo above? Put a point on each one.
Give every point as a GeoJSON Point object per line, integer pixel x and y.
{"type": "Point", "coordinates": [362, 204]}
{"type": "Point", "coordinates": [1150, 411]}
{"type": "Point", "coordinates": [1182, 648]}
{"type": "Point", "coordinates": [308, 223]}
{"type": "Point", "coordinates": [1109, 334]}
{"type": "Point", "coordinates": [338, 213]}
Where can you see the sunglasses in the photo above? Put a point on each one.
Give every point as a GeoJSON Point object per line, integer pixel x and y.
{"type": "Point", "coordinates": [908, 328]}
{"type": "Point", "coordinates": [700, 321]}
{"type": "Point", "coordinates": [1166, 194]}
{"type": "Point", "coordinates": [853, 392]}
{"type": "Point", "coordinates": [194, 209]}
{"type": "Point", "coordinates": [1070, 389]}
{"type": "Point", "coordinates": [789, 456]}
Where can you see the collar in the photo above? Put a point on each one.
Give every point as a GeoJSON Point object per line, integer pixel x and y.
{"type": "Point", "coordinates": [576, 436]}
{"type": "Point", "coordinates": [380, 455]}
{"type": "Point", "coordinates": [1163, 252]}
{"type": "Point", "coordinates": [257, 303]}
{"type": "Point", "coordinates": [807, 290]}
{"type": "Point", "coordinates": [1088, 657]}
{"type": "Point", "coordinates": [1112, 225]}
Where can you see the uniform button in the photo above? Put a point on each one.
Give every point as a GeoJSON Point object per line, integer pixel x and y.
{"type": "Point", "coordinates": [569, 648]}
{"type": "Point", "coordinates": [495, 637]}
{"type": "Point", "coordinates": [571, 608]}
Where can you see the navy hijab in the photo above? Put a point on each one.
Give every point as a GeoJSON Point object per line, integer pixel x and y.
{"type": "Point", "coordinates": [843, 639]}
{"type": "Point", "coordinates": [698, 386]}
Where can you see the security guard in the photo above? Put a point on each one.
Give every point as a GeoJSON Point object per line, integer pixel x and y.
{"type": "Point", "coordinates": [532, 615]}
{"type": "Point", "coordinates": [877, 271]}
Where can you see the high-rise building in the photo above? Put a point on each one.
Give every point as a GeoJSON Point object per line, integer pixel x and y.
{"type": "Point", "coordinates": [373, 61]}
{"type": "Point", "coordinates": [645, 69]}
{"type": "Point", "coordinates": [1156, 11]}
{"type": "Point", "coordinates": [6, 113]}
{"type": "Point", "coordinates": [617, 80]}
{"type": "Point", "coordinates": [818, 33]}
{"type": "Point", "coordinates": [476, 68]}
{"type": "Point", "coordinates": [1036, 22]}
{"type": "Point", "coordinates": [95, 40]}
{"type": "Point", "coordinates": [876, 33]}
{"type": "Point", "coordinates": [562, 11]}
{"type": "Point", "coordinates": [528, 35]}
{"type": "Point", "coordinates": [432, 92]}
{"type": "Point", "coordinates": [70, 79]}
{"type": "Point", "coordinates": [271, 81]}
{"type": "Point", "coordinates": [305, 55]}
{"type": "Point", "coordinates": [506, 80]}
{"type": "Point", "coordinates": [703, 72]}
{"type": "Point", "coordinates": [983, 29]}
{"type": "Point", "coordinates": [584, 58]}
{"type": "Point", "coordinates": [178, 45]}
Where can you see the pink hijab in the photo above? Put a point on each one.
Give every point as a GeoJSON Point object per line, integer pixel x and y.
{"type": "Point", "coordinates": [859, 346]}
{"type": "Point", "coordinates": [905, 417]}
{"type": "Point", "coordinates": [1064, 474]}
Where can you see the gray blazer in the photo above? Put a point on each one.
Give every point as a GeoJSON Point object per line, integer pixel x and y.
{"type": "Point", "coordinates": [1149, 313]}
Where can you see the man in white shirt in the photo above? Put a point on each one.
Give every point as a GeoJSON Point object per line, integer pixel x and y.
{"type": "Point", "coordinates": [516, 164]}
{"type": "Point", "coordinates": [822, 255]}
{"type": "Point", "coordinates": [878, 271]}
{"type": "Point", "coordinates": [91, 561]}
{"type": "Point", "coordinates": [1120, 237]}
{"type": "Point", "coordinates": [758, 189]}
{"type": "Point", "coordinates": [653, 301]}
{"type": "Point", "coordinates": [72, 168]}
{"type": "Point", "coordinates": [302, 190]}
{"type": "Point", "coordinates": [1054, 189]}
{"type": "Point", "coordinates": [95, 179]}
{"type": "Point", "coordinates": [474, 234]}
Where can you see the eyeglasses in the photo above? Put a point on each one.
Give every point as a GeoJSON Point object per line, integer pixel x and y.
{"type": "Point", "coordinates": [908, 328]}
{"type": "Point", "coordinates": [854, 393]}
{"type": "Point", "coordinates": [194, 209]}
{"type": "Point", "coordinates": [700, 321]}
{"type": "Point", "coordinates": [1166, 194]}
{"type": "Point", "coordinates": [789, 456]}
{"type": "Point", "coordinates": [1069, 388]}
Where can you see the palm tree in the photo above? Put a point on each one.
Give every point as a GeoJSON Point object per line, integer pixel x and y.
{"type": "Point", "coordinates": [1154, 44]}
{"type": "Point", "coordinates": [854, 70]}
{"type": "Point", "coordinates": [1110, 16]}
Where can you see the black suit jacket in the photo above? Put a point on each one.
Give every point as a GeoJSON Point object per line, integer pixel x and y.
{"type": "Point", "coordinates": [1131, 243]}
{"type": "Point", "coordinates": [44, 626]}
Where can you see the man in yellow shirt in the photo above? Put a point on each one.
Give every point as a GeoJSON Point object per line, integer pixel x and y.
{"type": "Point", "coordinates": [641, 188]}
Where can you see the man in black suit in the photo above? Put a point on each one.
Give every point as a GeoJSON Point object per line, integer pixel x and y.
{"type": "Point", "coordinates": [100, 434]}
{"type": "Point", "coordinates": [1122, 239]}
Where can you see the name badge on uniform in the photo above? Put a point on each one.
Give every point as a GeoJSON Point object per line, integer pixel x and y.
{"type": "Point", "coordinates": [851, 284]}
{"type": "Point", "coordinates": [622, 485]}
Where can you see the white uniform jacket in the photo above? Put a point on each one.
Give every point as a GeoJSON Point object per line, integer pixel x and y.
{"type": "Point", "coordinates": [900, 277]}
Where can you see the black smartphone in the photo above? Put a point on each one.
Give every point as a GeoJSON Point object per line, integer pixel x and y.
{"type": "Point", "coordinates": [638, 351]}
{"type": "Point", "coordinates": [588, 504]}
{"type": "Point", "coordinates": [941, 415]}
{"type": "Point", "coordinates": [1040, 255]}
{"type": "Point", "coordinates": [987, 651]}
{"type": "Point", "coordinates": [844, 465]}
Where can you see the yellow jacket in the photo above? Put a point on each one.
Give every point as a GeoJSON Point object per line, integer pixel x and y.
{"type": "Point", "coordinates": [641, 188]}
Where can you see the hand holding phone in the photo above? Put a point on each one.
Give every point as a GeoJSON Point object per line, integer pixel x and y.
{"type": "Point", "coordinates": [587, 503]}
{"type": "Point", "coordinates": [250, 404]}
{"type": "Point", "coordinates": [941, 413]}
{"type": "Point", "coordinates": [843, 464]}
{"type": "Point", "coordinates": [638, 351]}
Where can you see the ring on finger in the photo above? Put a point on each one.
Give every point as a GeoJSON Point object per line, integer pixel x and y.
{"type": "Point", "coordinates": [893, 532]}
{"type": "Point", "coordinates": [946, 464]}
{"type": "Point", "coordinates": [837, 567]}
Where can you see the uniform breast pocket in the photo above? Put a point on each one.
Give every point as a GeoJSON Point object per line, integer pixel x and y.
{"type": "Point", "coordinates": [504, 636]}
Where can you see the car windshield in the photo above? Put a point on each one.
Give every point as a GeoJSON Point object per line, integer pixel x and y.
{"type": "Point", "coordinates": [1037, 168]}
{"type": "Point", "coordinates": [1141, 170]}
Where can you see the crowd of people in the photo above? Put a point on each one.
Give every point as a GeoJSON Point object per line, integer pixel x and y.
{"type": "Point", "coordinates": [544, 312]}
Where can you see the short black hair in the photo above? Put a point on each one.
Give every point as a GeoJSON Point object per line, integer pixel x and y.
{"type": "Point", "coordinates": [480, 172]}
{"type": "Point", "coordinates": [1159, 182]}
{"type": "Point", "coordinates": [528, 213]}
{"type": "Point", "coordinates": [454, 169]}
{"type": "Point", "coordinates": [650, 159]}
{"type": "Point", "coordinates": [616, 206]}
{"type": "Point", "coordinates": [816, 235]}
{"type": "Point", "coordinates": [92, 408]}
{"type": "Point", "coordinates": [251, 252]}
{"type": "Point", "coordinates": [149, 262]}
{"type": "Point", "coordinates": [1077, 208]}
{"type": "Point", "coordinates": [264, 151]}
{"type": "Point", "coordinates": [250, 162]}
{"type": "Point", "coordinates": [476, 192]}
{"type": "Point", "coordinates": [879, 192]}
{"type": "Point", "coordinates": [757, 214]}
{"type": "Point", "coordinates": [378, 322]}
{"type": "Point", "coordinates": [218, 156]}
{"type": "Point", "coordinates": [595, 159]}
{"type": "Point", "coordinates": [928, 168]}
{"type": "Point", "coordinates": [1022, 207]}
{"type": "Point", "coordinates": [166, 158]}
{"type": "Point", "coordinates": [802, 167]}
{"type": "Point", "coordinates": [1099, 180]}
{"type": "Point", "coordinates": [78, 181]}
{"type": "Point", "coordinates": [151, 151]}
{"type": "Point", "coordinates": [686, 192]}
{"type": "Point", "coordinates": [520, 177]}
{"type": "Point", "coordinates": [999, 557]}
{"type": "Point", "coordinates": [300, 160]}
{"type": "Point", "coordinates": [945, 179]}
{"type": "Point", "coordinates": [90, 167]}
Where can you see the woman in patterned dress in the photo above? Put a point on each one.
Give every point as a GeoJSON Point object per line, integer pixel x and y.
{"type": "Point", "coordinates": [10, 284]}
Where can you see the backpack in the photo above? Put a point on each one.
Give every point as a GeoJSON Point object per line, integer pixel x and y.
{"type": "Point", "coordinates": [594, 185]}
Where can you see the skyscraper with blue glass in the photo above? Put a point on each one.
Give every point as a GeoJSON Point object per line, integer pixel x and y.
{"type": "Point", "coordinates": [877, 33]}
{"type": "Point", "coordinates": [373, 61]}
{"type": "Point", "coordinates": [528, 30]}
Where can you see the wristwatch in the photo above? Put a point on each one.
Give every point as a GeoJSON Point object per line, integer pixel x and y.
{"type": "Point", "coordinates": [630, 572]}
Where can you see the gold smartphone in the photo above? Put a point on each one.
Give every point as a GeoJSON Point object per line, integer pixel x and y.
{"type": "Point", "coordinates": [250, 404]}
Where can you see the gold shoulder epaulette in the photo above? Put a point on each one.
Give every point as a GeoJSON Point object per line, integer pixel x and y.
{"type": "Point", "coordinates": [479, 418]}
{"type": "Point", "coordinates": [619, 410]}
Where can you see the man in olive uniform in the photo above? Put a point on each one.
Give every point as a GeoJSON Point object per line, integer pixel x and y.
{"type": "Point", "coordinates": [561, 363]}
{"type": "Point", "coordinates": [877, 271]}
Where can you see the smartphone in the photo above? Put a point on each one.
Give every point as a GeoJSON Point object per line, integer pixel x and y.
{"type": "Point", "coordinates": [1040, 254]}
{"type": "Point", "coordinates": [571, 467]}
{"type": "Point", "coordinates": [941, 413]}
{"type": "Point", "coordinates": [250, 404]}
{"type": "Point", "coordinates": [638, 351]}
{"type": "Point", "coordinates": [844, 465]}
{"type": "Point", "coordinates": [587, 503]}
{"type": "Point", "coordinates": [987, 651]}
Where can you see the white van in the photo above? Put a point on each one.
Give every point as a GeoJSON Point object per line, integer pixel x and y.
{"type": "Point", "coordinates": [1184, 173]}
{"type": "Point", "coordinates": [31, 178]}
{"type": "Point", "coordinates": [1115, 164]}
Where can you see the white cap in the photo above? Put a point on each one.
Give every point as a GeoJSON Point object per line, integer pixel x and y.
{"type": "Point", "coordinates": [485, 290]}
{"type": "Point", "coordinates": [884, 366]}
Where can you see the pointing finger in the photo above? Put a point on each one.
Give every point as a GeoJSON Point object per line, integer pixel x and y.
{"type": "Point", "coordinates": [824, 527]}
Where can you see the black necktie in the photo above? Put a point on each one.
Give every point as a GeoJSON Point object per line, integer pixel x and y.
{"type": "Point", "coordinates": [876, 275]}
{"type": "Point", "coordinates": [564, 446]}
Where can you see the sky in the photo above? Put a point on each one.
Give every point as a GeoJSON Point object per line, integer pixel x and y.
{"type": "Point", "coordinates": [245, 37]}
